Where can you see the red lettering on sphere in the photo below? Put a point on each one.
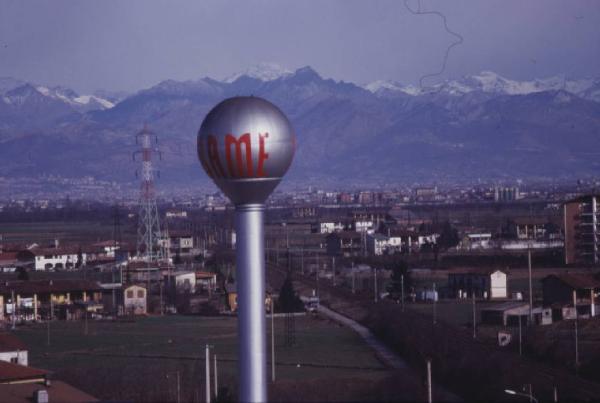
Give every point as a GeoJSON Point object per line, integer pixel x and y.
{"type": "Point", "coordinates": [213, 157]}
{"type": "Point", "coordinates": [262, 155]}
{"type": "Point", "coordinates": [245, 140]}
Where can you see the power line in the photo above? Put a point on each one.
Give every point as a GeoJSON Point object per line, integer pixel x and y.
{"type": "Point", "coordinates": [459, 39]}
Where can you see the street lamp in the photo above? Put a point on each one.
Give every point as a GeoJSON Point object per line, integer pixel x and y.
{"type": "Point", "coordinates": [528, 395]}
{"type": "Point", "coordinates": [246, 145]}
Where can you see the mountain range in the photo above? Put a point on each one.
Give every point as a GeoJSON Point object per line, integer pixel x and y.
{"type": "Point", "coordinates": [482, 126]}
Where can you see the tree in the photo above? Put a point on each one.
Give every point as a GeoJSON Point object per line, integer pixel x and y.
{"type": "Point", "coordinates": [22, 274]}
{"type": "Point", "coordinates": [399, 275]}
{"type": "Point", "coordinates": [288, 299]}
{"type": "Point", "coordinates": [448, 237]}
{"type": "Point", "coordinates": [79, 258]}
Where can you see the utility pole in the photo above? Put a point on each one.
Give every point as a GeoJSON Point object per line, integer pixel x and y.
{"type": "Point", "coordinates": [434, 305]}
{"type": "Point", "coordinates": [429, 389]}
{"type": "Point", "coordinates": [272, 341]}
{"type": "Point", "coordinates": [178, 389]}
{"type": "Point", "coordinates": [333, 268]}
{"type": "Point", "coordinates": [474, 318]}
{"type": "Point", "coordinates": [207, 368]}
{"type": "Point", "coordinates": [375, 283]}
{"type": "Point", "coordinates": [216, 377]}
{"type": "Point", "coordinates": [520, 337]}
{"type": "Point", "coordinates": [576, 331]}
{"type": "Point", "coordinates": [14, 308]}
{"type": "Point", "coordinates": [530, 287]}
{"type": "Point", "coordinates": [402, 290]}
{"type": "Point", "coordinates": [353, 279]}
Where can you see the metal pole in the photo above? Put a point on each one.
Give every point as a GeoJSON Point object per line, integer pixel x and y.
{"type": "Point", "coordinates": [402, 290]}
{"type": "Point", "coordinates": [207, 369]}
{"type": "Point", "coordinates": [14, 308]}
{"type": "Point", "coordinates": [429, 391]}
{"type": "Point", "coordinates": [333, 267]}
{"type": "Point", "coordinates": [375, 283]}
{"type": "Point", "coordinates": [251, 302]}
{"type": "Point", "coordinates": [272, 342]}
{"type": "Point", "coordinates": [520, 337]}
{"type": "Point", "coordinates": [576, 331]}
{"type": "Point", "coordinates": [434, 306]}
{"type": "Point", "coordinates": [178, 389]}
{"type": "Point", "coordinates": [555, 394]}
{"type": "Point", "coordinates": [474, 318]}
{"type": "Point", "coordinates": [530, 288]}
{"type": "Point", "coordinates": [530, 393]}
{"type": "Point", "coordinates": [216, 376]}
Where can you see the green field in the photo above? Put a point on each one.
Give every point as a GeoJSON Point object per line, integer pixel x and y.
{"type": "Point", "coordinates": [140, 360]}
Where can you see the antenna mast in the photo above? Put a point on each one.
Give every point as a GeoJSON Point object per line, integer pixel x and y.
{"type": "Point", "coordinates": [149, 234]}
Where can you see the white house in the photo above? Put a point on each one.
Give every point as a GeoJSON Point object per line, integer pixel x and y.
{"type": "Point", "coordinates": [12, 349]}
{"type": "Point", "coordinates": [135, 300]}
{"type": "Point", "coordinates": [363, 225]}
{"type": "Point", "coordinates": [57, 258]}
{"type": "Point", "coordinates": [477, 241]}
{"type": "Point", "coordinates": [330, 226]}
{"type": "Point", "coordinates": [377, 244]}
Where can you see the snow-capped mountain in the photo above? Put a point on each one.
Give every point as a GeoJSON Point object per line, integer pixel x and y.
{"type": "Point", "coordinates": [262, 72]}
{"type": "Point", "coordinates": [493, 83]}
{"type": "Point", "coordinates": [484, 125]}
{"type": "Point", "coordinates": [81, 103]}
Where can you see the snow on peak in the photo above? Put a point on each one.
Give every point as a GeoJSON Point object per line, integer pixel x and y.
{"type": "Point", "coordinates": [262, 72]}
{"type": "Point", "coordinates": [72, 98]}
{"type": "Point", "coordinates": [380, 86]}
{"type": "Point", "coordinates": [489, 82]}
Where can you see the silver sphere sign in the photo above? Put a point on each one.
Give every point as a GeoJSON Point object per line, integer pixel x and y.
{"type": "Point", "coordinates": [246, 145]}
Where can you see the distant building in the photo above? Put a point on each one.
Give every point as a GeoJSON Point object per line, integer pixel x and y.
{"type": "Point", "coordinates": [327, 227]}
{"type": "Point", "coordinates": [33, 298]}
{"type": "Point", "coordinates": [426, 193]}
{"type": "Point", "coordinates": [582, 230]}
{"type": "Point", "coordinates": [206, 281]}
{"type": "Point", "coordinates": [61, 258]}
{"type": "Point", "coordinates": [477, 240]}
{"type": "Point", "coordinates": [558, 290]}
{"type": "Point", "coordinates": [506, 194]}
{"type": "Point", "coordinates": [511, 312]}
{"type": "Point", "coordinates": [485, 283]}
{"type": "Point", "coordinates": [12, 349]}
{"type": "Point", "coordinates": [181, 282]}
{"type": "Point", "coordinates": [346, 243]}
{"type": "Point", "coordinates": [180, 242]}
{"type": "Point", "coordinates": [23, 384]}
{"type": "Point", "coordinates": [135, 300]}
{"type": "Point", "coordinates": [378, 244]}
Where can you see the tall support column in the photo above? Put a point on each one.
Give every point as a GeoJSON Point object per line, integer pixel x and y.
{"type": "Point", "coordinates": [251, 302]}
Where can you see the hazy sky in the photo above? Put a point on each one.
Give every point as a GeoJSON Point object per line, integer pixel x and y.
{"type": "Point", "coordinates": [128, 45]}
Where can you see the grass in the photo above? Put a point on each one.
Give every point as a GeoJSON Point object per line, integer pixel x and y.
{"type": "Point", "coordinates": [119, 358]}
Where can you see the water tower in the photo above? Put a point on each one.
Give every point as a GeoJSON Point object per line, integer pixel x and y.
{"type": "Point", "coordinates": [246, 145]}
